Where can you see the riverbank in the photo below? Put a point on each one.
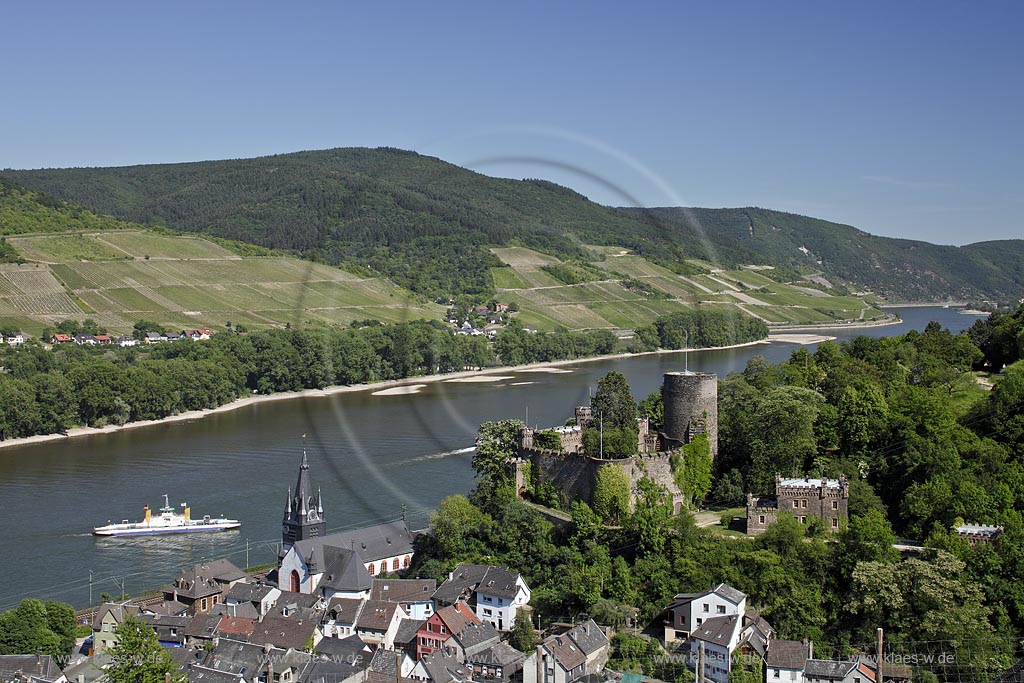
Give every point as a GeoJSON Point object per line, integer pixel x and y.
{"type": "Point", "coordinates": [888, 320]}
{"type": "Point", "coordinates": [393, 387]}
{"type": "Point", "coordinates": [396, 387]}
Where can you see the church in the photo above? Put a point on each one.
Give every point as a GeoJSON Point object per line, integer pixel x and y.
{"type": "Point", "coordinates": [341, 564]}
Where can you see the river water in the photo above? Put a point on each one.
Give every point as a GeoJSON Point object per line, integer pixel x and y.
{"type": "Point", "coordinates": [375, 458]}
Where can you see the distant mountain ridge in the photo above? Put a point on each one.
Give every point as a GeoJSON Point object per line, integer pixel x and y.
{"type": "Point", "coordinates": [426, 223]}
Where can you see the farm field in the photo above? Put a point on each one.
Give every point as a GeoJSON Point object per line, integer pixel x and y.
{"type": "Point", "coordinates": [120, 278]}
{"type": "Point", "coordinates": [607, 304]}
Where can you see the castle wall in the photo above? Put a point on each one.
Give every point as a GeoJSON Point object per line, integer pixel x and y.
{"type": "Point", "coordinates": [691, 407]}
{"type": "Point", "coordinates": [576, 474]}
{"type": "Point", "coordinates": [761, 514]}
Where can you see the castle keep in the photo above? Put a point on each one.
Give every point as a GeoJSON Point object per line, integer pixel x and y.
{"type": "Point", "coordinates": [803, 498]}
{"type": "Point", "coordinates": [691, 408]}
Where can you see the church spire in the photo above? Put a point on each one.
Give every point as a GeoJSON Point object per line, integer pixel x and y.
{"type": "Point", "coordinates": [304, 514]}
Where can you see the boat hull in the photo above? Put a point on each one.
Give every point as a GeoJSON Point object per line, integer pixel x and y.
{"type": "Point", "coordinates": [153, 531]}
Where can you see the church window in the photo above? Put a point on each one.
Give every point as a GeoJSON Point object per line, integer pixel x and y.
{"type": "Point", "coordinates": [296, 583]}
{"type": "Point", "coordinates": [835, 523]}
{"type": "Point", "coordinates": [394, 564]}
{"type": "Point", "coordinates": [408, 561]}
{"type": "Point", "coordinates": [835, 504]}
{"type": "Point", "coordinates": [371, 569]}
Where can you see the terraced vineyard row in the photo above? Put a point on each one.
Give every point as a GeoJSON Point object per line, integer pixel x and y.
{"type": "Point", "coordinates": [207, 285]}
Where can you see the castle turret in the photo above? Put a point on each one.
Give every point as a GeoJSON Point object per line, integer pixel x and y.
{"type": "Point", "coordinates": [691, 408]}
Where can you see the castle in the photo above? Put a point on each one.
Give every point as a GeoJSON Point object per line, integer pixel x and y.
{"type": "Point", "coordinates": [804, 498]}
{"type": "Point", "coordinates": [690, 407]}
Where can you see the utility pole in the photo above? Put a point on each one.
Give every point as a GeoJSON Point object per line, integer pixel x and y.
{"type": "Point", "coordinates": [881, 653]}
{"type": "Point", "coordinates": [601, 431]}
{"type": "Point", "coordinates": [700, 663]}
{"type": "Point", "coordinates": [247, 553]}
{"type": "Point", "coordinates": [404, 510]}
{"type": "Point", "coordinates": [90, 588]}
{"type": "Point", "coordinates": [686, 351]}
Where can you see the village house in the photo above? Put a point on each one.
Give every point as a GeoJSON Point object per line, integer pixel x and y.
{"type": "Point", "coordinates": [414, 595]}
{"type": "Point", "coordinates": [785, 660]}
{"type": "Point", "coordinates": [204, 585]}
{"type": "Point", "coordinates": [568, 657]}
{"type": "Point", "coordinates": [84, 339]}
{"type": "Point", "coordinates": [495, 593]}
{"type": "Point", "coordinates": [831, 671]}
{"type": "Point", "coordinates": [237, 628]}
{"type": "Point", "coordinates": [102, 339]}
{"type": "Point", "coordinates": [348, 658]}
{"type": "Point", "coordinates": [441, 667]}
{"type": "Point", "coordinates": [391, 664]}
{"type": "Point", "coordinates": [718, 620]}
{"type": "Point", "coordinates": [61, 338]}
{"type": "Point", "coordinates": [170, 628]}
{"type": "Point", "coordinates": [689, 611]}
{"type": "Point", "coordinates": [250, 662]}
{"type": "Point", "coordinates": [261, 596]}
{"type": "Point", "coordinates": [472, 640]}
{"type": "Point", "coordinates": [340, 619]}
{"type": "Point", "coordinates": [501, 662]}
{"type": "Point", "coordinates": [16, 339]}
{"type": "Point", "coordinates": [108, 617]}
{"type": "Point", "coordinates": [196, 335]}
{"type": "Point", "coordinates": [33, 668]}
{"type": "Point", "coordinates": [125, 341]}
{"type": "Point", "coordinates": [441, 626]}
{"type": "Point", "coordinates": [286, 632]}
{"type": "Point", "coordinates": [378, 622]}
{"type": "Point", "coordinates": [406, 636]}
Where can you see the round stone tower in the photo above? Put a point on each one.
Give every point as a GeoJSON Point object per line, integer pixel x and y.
{"type": "Point", "coordinates": [691, 408]}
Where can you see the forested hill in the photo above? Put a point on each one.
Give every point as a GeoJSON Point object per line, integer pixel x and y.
{"type": "Point", "coordinates": [424, 223]}
{"type": "Point", "coordinates": [896, 268]}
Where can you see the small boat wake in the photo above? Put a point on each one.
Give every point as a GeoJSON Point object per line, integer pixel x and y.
{"type": "Point", "coordinates": [445, 454]}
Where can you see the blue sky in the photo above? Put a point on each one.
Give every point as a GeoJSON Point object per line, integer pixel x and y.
{"type": "Point", "coordinates": [903, 119]}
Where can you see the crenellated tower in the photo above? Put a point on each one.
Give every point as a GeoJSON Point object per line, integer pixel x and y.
{"type": "Point", "coordinates": [303, 512]}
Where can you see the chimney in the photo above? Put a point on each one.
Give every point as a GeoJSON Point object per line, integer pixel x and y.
{"type": "Point", "coordinates": [398, 667]}
{"type": "Point", "coordinates": [540, 664]}
{"type": "Point", "coordinates": [810, 649]}
{"type": "Point", "coordinates": [167, 677]}
{"type": "Point", "coordinates": [270, 670]}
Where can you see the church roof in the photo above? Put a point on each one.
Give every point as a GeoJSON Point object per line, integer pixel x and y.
{"type": "Point", "coordinates": [373, 543]}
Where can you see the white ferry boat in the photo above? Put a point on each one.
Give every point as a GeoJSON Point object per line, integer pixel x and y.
{"type": "Point", "coordinates": [167, 522]}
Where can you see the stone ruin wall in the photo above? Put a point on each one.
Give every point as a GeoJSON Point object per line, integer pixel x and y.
{"type": "Point", "coordinates": [576, 474]}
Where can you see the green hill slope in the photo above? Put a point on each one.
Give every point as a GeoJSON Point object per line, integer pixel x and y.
{"type": "Point", "coordinates": [427, 224]}
{"type": "Point", "coordinates": [900, 269]}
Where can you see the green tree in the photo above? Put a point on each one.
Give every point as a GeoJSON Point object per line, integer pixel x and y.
{"type": "Point", "coordinates": [496, 444]}
{"type": "Point", "coordinates": [455, 522]}
{"type": "Point", "coordinates": [613, 402]}
{"type": "Point", "coordinates": [37, 626]}
{"type": "Point", "coordinates": [611, 494]}
{"type": "Point", "coordinates": [523, 636]}
{"type": "Point", "coordinates": [138, 657]}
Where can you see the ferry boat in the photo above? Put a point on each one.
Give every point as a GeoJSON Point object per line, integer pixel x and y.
{"type": "Point", "coordinates": [167, 522]}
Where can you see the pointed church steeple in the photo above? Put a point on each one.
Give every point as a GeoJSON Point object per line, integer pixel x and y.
{"type": "Point", "coordinates": [304, 514]}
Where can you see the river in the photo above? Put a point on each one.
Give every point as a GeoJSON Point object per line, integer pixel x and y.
{"type": "Point", "coordinates": [374, 457]}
